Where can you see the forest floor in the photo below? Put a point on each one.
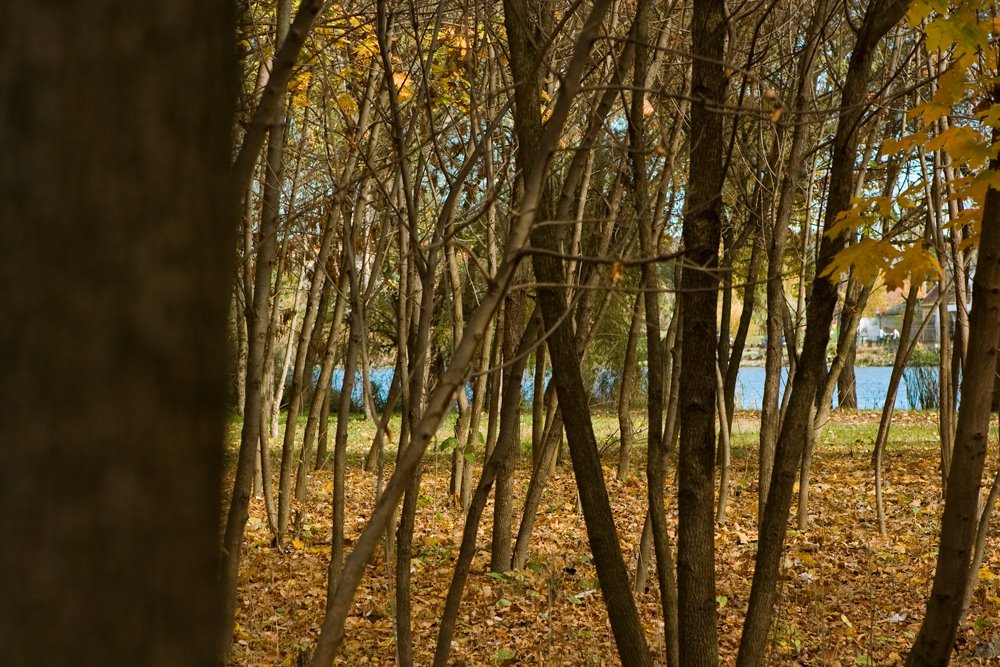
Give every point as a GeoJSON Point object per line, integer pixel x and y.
{"type": "Point", "coordinates": [847, 595]}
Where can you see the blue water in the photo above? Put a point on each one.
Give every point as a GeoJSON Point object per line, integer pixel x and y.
{"type": "Point", "coordinates": [872, 385]}
{"type": "Point", "coordinates": [873, 381]}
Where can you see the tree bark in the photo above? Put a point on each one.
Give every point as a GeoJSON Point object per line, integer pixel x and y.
{"type": "Point", "coordinates": [116, 255]}
{"type": "Point", "coordinates": [509, 438]}
{"type": "Point", "coordinates": [699, 282]}
{"type": "Point", "coordinates": [340, 443]}
{"type": "Point", "coordinates": [847, 389]}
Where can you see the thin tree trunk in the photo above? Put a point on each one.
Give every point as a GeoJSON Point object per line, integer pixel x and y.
{"type": "Point", "coordinates": [724, 452]}
{"type": "Point", "coordinates": [743, 328]}
{"type": "Point", "coordinates": [536, 485]}
{"type": "Point", "coordinates": [494, 388]}
{"type": "Point", "coordinates": [538, 404]}
{"type": "Point", "coordinates": [771, 416]}
{"type": "Point", "coordinates": [458, 462]}
{"type": "Point", "coordinates": [649, 283]}
{"type": "Point", "coordinates": [367, 398]}
{"type": "Point", "coordinates": [250, 437]}
{"type": "Point", "coordinates": [988, 506]}
{"type": "Point", "coordinates": [340, 445]}
{"type": "Point", "coordinates": [625, 391]}
{"type": "Point", "coordinates": [847, 389]}
{"type": "Point", "coordinates": [491, 469]}
{"type": "Point", "coordinates": [670, 428]}
{"type": "Point", "coordinates": [241, 351]}
{"type": "Point", "coordinates": [509, 438]}
{"type": "Point", "coordinates": [903, 353]}
{"type": "Point", "coordinates": [699, 281]}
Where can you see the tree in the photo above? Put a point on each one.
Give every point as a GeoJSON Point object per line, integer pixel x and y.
{"type": "Point", "coordinates": [702, 231]}
{"type": "Point", "coordinates": [118, 224]}
{"type": "Point", "coordinates": [880, 16]}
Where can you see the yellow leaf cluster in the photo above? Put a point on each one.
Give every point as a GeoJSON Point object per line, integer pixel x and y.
{"type": "Point", "coordinates": [897, 264]}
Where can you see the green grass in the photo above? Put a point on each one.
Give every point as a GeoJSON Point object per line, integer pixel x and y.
{"type": "Point", "coordinates": [853, 432]}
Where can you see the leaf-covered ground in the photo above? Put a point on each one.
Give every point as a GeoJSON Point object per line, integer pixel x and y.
{"type": "Point", "coordinates": [847, 595]}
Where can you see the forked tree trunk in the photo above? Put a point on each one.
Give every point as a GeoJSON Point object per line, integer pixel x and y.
{"type": "Point", "coordinates": [880, 16]}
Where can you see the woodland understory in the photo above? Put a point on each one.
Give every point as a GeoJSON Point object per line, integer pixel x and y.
{"type": "Point", "coordinates": [468, 194]}
{"type": "Point", "coordinates": [848, 596]}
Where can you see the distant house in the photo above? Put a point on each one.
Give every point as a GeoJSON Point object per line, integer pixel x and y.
{"type": "Point", "coordinates": [892, 318]}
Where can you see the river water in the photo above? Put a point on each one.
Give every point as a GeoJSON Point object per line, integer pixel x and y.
{"type": "Point", "coordinates": [872, 384]}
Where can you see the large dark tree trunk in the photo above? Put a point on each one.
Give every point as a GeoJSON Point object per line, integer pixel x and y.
{"type": "Point", "coordinates": [115, 255]}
